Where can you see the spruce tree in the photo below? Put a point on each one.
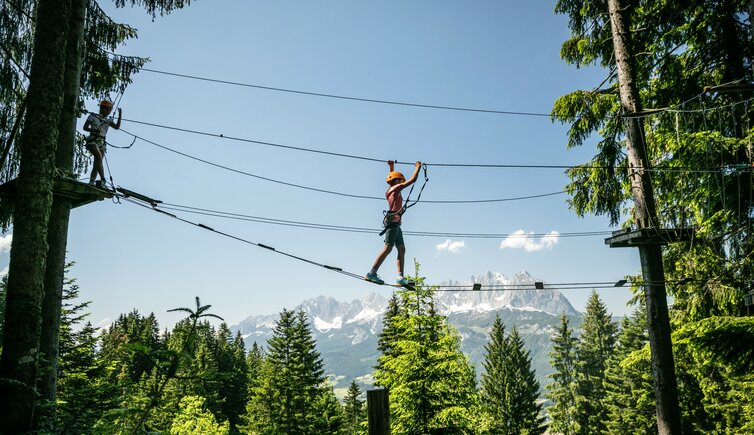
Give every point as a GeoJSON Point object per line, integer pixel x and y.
{"type": "Point", "coordinates": [431, 383]}
{"type": "Point", "coordinates": [562, 390]}
{"type": "Point", "coordinates": [354, 410]}
{"type": "Point", "coordinates": [594, 348]}
{"type": "Point", "coordinates": [509, 387]}
{"type": "Point", "coordinates": [628, 380]}
{"type": "Point", "coordinates": [291, 396]}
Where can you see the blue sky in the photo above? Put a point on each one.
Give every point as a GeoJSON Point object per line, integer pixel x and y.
{"type": "Point", "coordinates": [499, 55]}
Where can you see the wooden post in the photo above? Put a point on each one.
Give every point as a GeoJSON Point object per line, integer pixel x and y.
{"type": "Point", "coordinates": [378, 410]}
{"type": "Point", "coordinates": [645, 215]}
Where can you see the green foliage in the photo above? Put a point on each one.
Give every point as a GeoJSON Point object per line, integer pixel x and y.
{"type": "Point", "coordinates": [561, 390]}
{"type": "Point", "coordinates": [716, 373]}
{"type": "Point", "coordinates": [290, 395]}
{"type": "Point", "coordinates": [628, 380]}
{"type": "Point", "coordinates": [194, 419]}
{"type": "Point", "coordinates": [431, 383]}
{"type": "Point", "coordinates": [509, 389]}
{"type": "Point", "coordinates": [354, 411]}
{"type": "Point", "coordinates": [595, 346]}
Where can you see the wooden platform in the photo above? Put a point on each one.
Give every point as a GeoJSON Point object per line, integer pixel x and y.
{"type": "Point", "coordinates": [79, 193]}
{"type": "Point", "coordinates": [649, 236]}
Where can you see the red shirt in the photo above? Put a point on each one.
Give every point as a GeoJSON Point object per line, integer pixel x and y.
{"type": "Point", "coordinates": [394, 201]}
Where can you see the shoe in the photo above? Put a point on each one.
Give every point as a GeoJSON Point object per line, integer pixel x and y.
{"type": "Point", "coordinates": [372, 277]}
{"type": "Point", "coordinates": [91, 182]}
{"type": "Point", "coordinates": [403, 281]}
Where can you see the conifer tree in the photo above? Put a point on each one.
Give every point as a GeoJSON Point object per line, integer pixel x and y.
{"type": "Point", "coordinates": [289, 398]}
{"type": "Point", "coordinates": [594, 348]}
{"type": "Point", "coordinates": [354, 410]}
{"type": "Point", "coordinates": [561, 390]}
{"type": "Point", "coordinates": [431, 383]}
{"type": "Point", "coordinates": [628, 380]}
{"type": "Point", "coordinates": [509, 388]}
{"type": "Point", "coordinates": [387, 336]}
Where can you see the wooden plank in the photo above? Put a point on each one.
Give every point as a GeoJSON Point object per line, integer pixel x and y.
{"type": "Point", "coordinates": [77, 192]}
{"type": "Point", "coordinates": [649, 236]}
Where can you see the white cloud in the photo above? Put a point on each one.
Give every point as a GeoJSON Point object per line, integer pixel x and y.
{"type": "Point", "coordinates": [526, 241]}
{"type": "Point", "coordinates": [4, 271]}
{"type": "Point", "coordinates": [5, 242]}
{"type": "Point", "coordinates": [451, 246]}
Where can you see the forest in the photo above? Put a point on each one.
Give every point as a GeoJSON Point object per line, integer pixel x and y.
{"type": "Point", "coordinates": [673, 125]}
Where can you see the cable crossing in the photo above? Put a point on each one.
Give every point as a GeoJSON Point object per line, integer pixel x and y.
{"type": "Point", "coordinates": [331, 192]}
{"type": "Point", "coordinates": [154, 205]}
{"type": "Point", "coordinates": [365, 230]}
{"type": "Point", "coordinates": [438, 164]}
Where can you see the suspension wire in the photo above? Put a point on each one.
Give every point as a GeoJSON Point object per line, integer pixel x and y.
{"type": "Point", "coordinates": [344, 97]}
{"type": "Point", "coordinates": [439, 164]}
{"type": "Point", "coordinates": [515, 287]}
{"type": "Point", "coordinates": [343, 228]}
{"type": "Point", "coordinates": [331, 192]}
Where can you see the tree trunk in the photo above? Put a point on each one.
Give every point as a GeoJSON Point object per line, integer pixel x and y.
{"type": "Point", "coordinates": [57, 229]}
{"type": "Point", "coordinates": [645, 215]}
{"type": "Point", "coordinates": [18, 365]}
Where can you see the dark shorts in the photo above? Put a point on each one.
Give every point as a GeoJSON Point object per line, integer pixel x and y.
{"type": "Point", "coordinates": [394, 235]}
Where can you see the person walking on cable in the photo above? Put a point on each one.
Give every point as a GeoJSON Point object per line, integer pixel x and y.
{"type": "Point", "coordinates": [393, 233]}
{"type": "Point", "coordinates": [97, 125]}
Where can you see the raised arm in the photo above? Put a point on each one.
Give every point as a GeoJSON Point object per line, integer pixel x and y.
{"type": "Point", "coordinates": [117, 123]}
{"type": "Point", "coordinates": [413, 178]}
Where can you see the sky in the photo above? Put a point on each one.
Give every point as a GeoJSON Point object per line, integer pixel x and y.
{"type": "Point", "coordinates": [497, 55]}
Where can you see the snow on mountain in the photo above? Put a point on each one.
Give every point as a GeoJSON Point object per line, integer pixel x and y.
{"type": "Point", "coordinates": [347, 332]}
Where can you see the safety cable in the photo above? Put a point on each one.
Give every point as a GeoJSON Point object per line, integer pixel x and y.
{"type": "Point", "coordinates": [440, 164]}
{"type": "Point", "coordinates": [343, 228]}
{"type": "Point", "coordinates": [331, 192]}
{"type": "Point", "coordinates": [471, 287]}
{"type": "Point", "coordinates": [343, 97]}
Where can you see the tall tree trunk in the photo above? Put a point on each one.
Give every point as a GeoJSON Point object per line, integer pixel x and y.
{"type": "Point", "coordinates": [18, 365]}
{"type": "Point", "coordinates": [645, 215]}
{"type": "Point", "coordinates": [57, 229]}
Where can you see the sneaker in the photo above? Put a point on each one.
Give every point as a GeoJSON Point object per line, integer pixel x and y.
{"type": "Point", "coordinates": [372, 277]}
{"type": "Point", "coordinates": [91, 182]}
{"type": "Point", "coordinates": [403, 281]}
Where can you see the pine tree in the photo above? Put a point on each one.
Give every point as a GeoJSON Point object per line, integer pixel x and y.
{"type": "Point", "coordinates": [291, 396]}
{"type": "Point", "coordinates": [354, 410]}
{"type": "Point", "coordinates": [595, 347]}
{"type": "Point", "coordinates": [628, 380]}
{"type": "Point", "coordinates": [431, 383]}
{"type": "Point", "coordinates": [561, 390]}
{"type": "Point", "coordinates": [509, 388]}
{"type": "Point", "coordinates": [194, 418]}
{"type": "Point", "coordinates": [387, 336]}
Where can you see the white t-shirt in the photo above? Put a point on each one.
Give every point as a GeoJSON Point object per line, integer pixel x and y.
{"type": "Point", "coordinates": [100, 124]}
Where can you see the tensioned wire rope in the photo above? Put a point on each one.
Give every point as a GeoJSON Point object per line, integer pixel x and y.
{"type": "Point", "coordinates": [331, 192]}
{"type": "Point", "coordinates": [455, 288]}
{"type": "Point", "coordinates": [429, 164]}
{"type": "Point", "coordinates": [343, 228]}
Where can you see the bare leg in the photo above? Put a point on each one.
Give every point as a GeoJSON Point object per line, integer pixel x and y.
{"type": "Point", "coordinates": [401, 256]}
{"type": "Point", "coordinates": [381, 257]}
{"type": "Point", "coordinates": [97, 168]}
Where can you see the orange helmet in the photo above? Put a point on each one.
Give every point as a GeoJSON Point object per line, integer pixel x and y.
{"type": "Point", "coordinates": [395, 176]}
{"type": "Point", "coordinates": [106, 103]}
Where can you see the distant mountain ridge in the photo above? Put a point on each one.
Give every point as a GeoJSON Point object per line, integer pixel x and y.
{"type": "Point", "coordinates": [347, 332]}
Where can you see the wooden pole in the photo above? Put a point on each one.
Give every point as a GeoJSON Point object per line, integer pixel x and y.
{"type": "Point", "coordinates": [378, 410]}
{"type": "Point", "coordinates": [645, 215]}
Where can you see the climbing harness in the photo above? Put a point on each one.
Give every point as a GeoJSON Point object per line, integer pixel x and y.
{"type": "Point", "coordinates": [387, 221]}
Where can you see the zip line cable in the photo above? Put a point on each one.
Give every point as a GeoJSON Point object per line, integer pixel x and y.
{"type": "Point", "coordinates": [342, 228]}
{"type": "Point", "coordinates": [331, 192]}
{"type": "Point", "coordinates": [440, 164]}
{"type": "Point", "coordinates": [344, 97]}
{"type": "Point", "coordinates": [471, 287]}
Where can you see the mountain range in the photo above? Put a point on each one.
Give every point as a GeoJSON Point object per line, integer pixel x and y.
{"type": "Point", "coordinates": [347, 332]}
